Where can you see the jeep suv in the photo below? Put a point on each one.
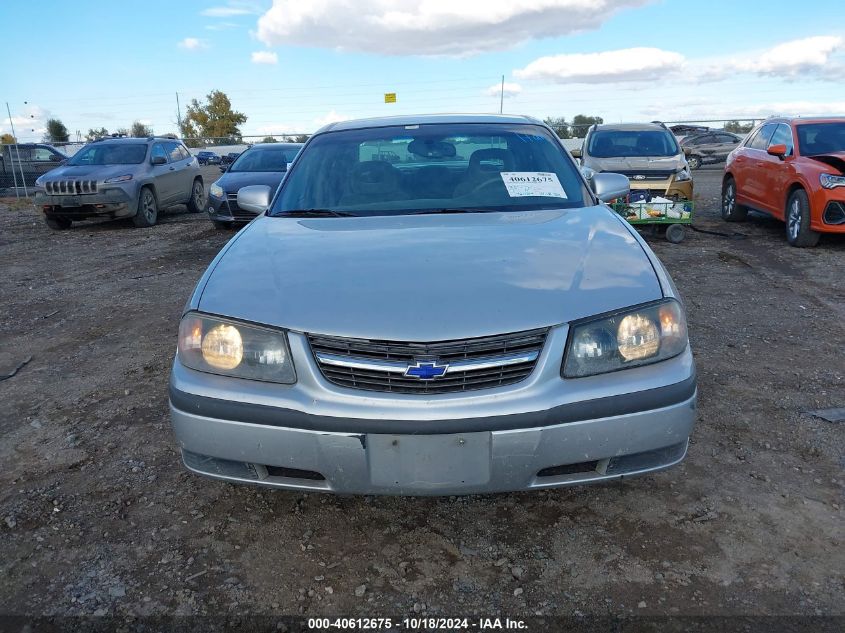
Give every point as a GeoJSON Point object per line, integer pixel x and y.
{"type": "Point", "coordinates": [647, 153]}
{"type": "Point", "coordinates": [121, 178]}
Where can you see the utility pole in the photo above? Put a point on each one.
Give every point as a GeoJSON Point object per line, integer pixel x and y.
{"type": "Point", "coordinates": [179, 114]}
{"type": "Point", "coordinates": [502, 96]}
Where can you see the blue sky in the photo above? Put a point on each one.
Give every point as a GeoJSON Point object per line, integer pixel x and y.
{"type": "Point", "coordinates": [102, 63]}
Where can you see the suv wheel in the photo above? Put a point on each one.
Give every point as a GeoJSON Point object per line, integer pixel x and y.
{"type": "Point", "coordinates": [57, 222]}
{"type": "Point", "coordinates": [197, 199]}
{"type": "Point", "coordinates": [731, 210]}
{"type": "Point", "coordinates": [147, 209]}
{"type": "Point", "coordinates": [798, 231]}
{"type": "Point", "coordinates": [694, 162]}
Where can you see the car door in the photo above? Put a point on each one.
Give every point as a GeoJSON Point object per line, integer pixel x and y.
{"type": "Point", "coordinates": [164, 175]}
{"type": "Point", "coordinates": [705, 147]}
{"type": "Point", "coordinates": [752, 185]}
{"type": "Point", "coordinates": [42, 160]}
{"type": "Point", "coordinates": [779, 171]}
{"type": "Point", "coordinates": [180, 161]}
{"type": "Point", "coordinates": [724, 145]}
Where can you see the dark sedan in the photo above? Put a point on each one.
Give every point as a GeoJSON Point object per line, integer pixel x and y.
{"type": "Point", "coordinates": [261, 164]}
{"type": "Point", "coordinates": [208, 158]}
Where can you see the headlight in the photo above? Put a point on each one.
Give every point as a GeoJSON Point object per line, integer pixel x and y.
{"type": "Point", "coordinates": [634, 337]}
{"type": "Point", "coordinates": [216, 190]}
{"type": "Point", "coordinates": [229, 348]}
{"type": "Point", "coordinates": [683, 175]}
{"type": "Point", "coordinates": [39, 182]}
{"type": "Point", "coordinates": [123, 178]}
{"type": "Point", "coordinates": [831, 181]}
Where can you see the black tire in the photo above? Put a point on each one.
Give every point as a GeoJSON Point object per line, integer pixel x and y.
{"type": "Point", "coordinates": [196, 202]}
{"type": "Point", "coordinates": [675, 233]}
{"type": "Point", "coordinates": [731, 210]}
{"type": "Point", "coordinates": [694, 162]}
{"type": "Point", "coordinates": [147, 214]}
{"type": "Point", "coordinates": [797, 216]}
{"type": "Point", "coordinates": [57, 223]}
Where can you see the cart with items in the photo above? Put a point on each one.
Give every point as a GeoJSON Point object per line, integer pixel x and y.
{"type": "Point", "coordinates": [657, 212]}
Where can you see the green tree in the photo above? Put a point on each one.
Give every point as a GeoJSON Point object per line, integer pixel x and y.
{"type": "Point", "coordinates": [93, 134]}
{"type": "Point", "coordinates": [559, 125]}
{"type": "Point", "coordinates": [296, 138]}
{"type": "Point", "coordinates": [139, 130]}
{"type": "Point", "coordinates": [7, 139]}
{"type": "Point", "coordinates": [738, 128]}
{"type": "Point", "coordinates": [269, 139]}
{"type": "Point", "coordinates": [56, 132]}
{"type": "Point", "coordinates": [581, 123]}
{"type": "Point", "coordinates": [214, 120]}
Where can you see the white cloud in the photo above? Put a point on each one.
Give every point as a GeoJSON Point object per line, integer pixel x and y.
{"type": "Point", "coordinates": [30, 123]}
{"type": "Point", "coordinates": [796, 58]}
{"type": "Point", "coordinates": [510, 90]}
{"type": "Point", "coordinates": [429, 27]}
{"type": "Point", "coordinates": [331, 117]}
{"type": "Point", "coordinates": [192, 44]}
{"type": "Point", "coordinates": [227, 11]}
{"type": "Point", "coordinates": [265, 57]}
{"type": "Point", "coordinates": [629, 64]}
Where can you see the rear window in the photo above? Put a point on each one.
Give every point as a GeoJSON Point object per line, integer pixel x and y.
{"type": "Point", "coordinates": [621, 143]}
{"type": "Point", "coordinates": [110, 154]}
{"type": "Point", "coordinates": [422, 168]}
{"type": "Point", "coordinates": [821, 138]}
{"type": "Point", "coordinates": [264, 159]}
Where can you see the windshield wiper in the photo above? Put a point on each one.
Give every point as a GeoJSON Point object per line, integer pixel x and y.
{"type": "Point", "coordinates": [315, 213]}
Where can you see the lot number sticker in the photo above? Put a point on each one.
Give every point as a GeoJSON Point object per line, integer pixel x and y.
{"type": "Point", "coordinates": [521, 184]}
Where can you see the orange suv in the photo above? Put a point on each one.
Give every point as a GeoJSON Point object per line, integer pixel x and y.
{"type": "Point", "coordinates": [793, 169]}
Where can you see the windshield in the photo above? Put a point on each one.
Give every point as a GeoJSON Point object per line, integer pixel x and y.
{"type": "Point", "coordinates": [111, 154]}
{"type": "Point", "coordinates": [429, 168]}
{"type": "Point", "coordinates": [821, 138]}
{"type": "Point", "coordinates": [625, 143]}
{"type": "Point", "coordinates": [264, 159]}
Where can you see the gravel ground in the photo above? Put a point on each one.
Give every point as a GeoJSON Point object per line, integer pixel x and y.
{"type": "Point", "coordinates": [97, 515]}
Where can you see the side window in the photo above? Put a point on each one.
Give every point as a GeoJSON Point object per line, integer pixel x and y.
{"type": "Point", "coordinates": [173, 152]}
{"type": "Point", "coordinates": [782, 136]}
{"type": "Point", "coordinates": [726, 138]}
{"type": "Point", "coordinates": [761, 138]}
{"type": "Point", "coordinates": [184, 153]}
{"type": "Point", "coordinates": [20, 153]}
{"type": "Point", "coordinates": [42, 154]}
{"type": "Point", "coordinates": [158, 150]}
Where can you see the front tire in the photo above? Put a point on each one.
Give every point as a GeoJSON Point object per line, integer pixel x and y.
{"type": "Point", "coordinates": [798, 231]}
{"type": "Point", "coordinates": [147, 214]}
{"type": "Point", "coordinates": [197, 200]}
{"type": "Point", "coordinates": [732, 211]}
{"type": "Point", "coordinates": [57, 223]}
{"type": "Point", "coordinates": [694, 162]}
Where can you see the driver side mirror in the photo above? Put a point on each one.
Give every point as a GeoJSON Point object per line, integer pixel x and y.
{"type": "Point", "coordinates": [55, 158]}
{"type": "Point", "coordinates": [255, 198]}
{"type": "Point", "coordinates": [158, 160]}
{"type": "Point", "coordinates": [687, 151]}
{"type": "Point", "coordinates": [778, 150]}
{"type": "Point", "coordinates": [576, 153]}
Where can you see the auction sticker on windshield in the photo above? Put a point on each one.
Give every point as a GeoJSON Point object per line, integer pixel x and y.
{"type": "Point", "coordinates": [521, 184]}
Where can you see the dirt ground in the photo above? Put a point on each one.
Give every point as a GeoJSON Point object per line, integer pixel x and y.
{"type": "Point", "coordinates": [97, 515]}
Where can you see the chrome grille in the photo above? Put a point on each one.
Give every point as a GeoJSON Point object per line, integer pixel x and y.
{"type": "Point", "coordinates": [70, 187]}
{"type": "Point", "coordinates": [477, 363]}
{"type": "Point", "coordinates": [237, 212]}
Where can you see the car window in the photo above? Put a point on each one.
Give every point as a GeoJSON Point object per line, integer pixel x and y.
{"type": "Point", "coordinates": [726, 138]}
{"type": "Point", "coordinates": [820, 138]}
{"type": "Point", "coordinates": [782, 136]}
{"type": "Point", "coordinates": [760, 140]}
{"type": "Point", "coordinates": [400, 170]}
{"type": "Point", "coordinates": [621, 143]}
{"type": "Point", "coordinates": [110, 154]}
{"type": "Point", "coordinates": [42, 154]}
{"type": "Point", "coordinates": [264, 159]}
{"type": "Point", "coordinates": [174, 152]}
{"type": "Point", "coordinates": [158, 151]}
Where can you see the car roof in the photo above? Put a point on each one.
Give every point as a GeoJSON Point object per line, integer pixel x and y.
{"type": "Point", "coordinates": [425, 119]}
{"type": "Point", "coordinates": [634, 127]}
{"type": "Point", "coordinates": [276, 145]}
{"type": "Point", "coordinates": [809, 119]}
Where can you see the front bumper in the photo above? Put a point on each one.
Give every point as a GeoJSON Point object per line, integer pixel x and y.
{"type": "Point", "coordinates": [541, 433]}
{"type": "Point", "coordinates": [225, 210]}
{"type": "Point", "coordinates": [112, 202]}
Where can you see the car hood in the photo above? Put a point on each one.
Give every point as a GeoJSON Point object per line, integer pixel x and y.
{"type": "Point", "coordinates": [430, 277]}
{"type": "Point", "coordinates": [635, 163]}
{"type": "Point", "coordinates": [231, 182]}
{"type": "Point", "coordinates": [92, 172]}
